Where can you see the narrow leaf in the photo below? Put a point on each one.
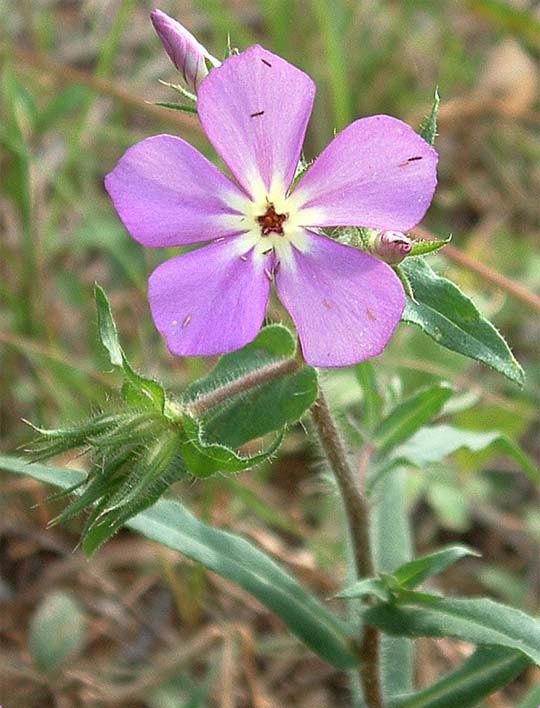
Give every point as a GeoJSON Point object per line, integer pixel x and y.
{"type": "Point", "coordinates": [138, 390]}
{"type": "Point", "coordinates": [449, 317]}
{"type": "Point", "coordinates": [176, 106]}
{"type": "Point", "coordinates": [479, 621]}
{"type": "Point", "coordinates": [368, 586]}
{"type": "Point", "coordinates": [486, 671]}
{"type": "Point", "coordinates": [107, 327]}
{"type": "Point", "coordinates": [410, 415]}
{"type": "Point", "coordinates": [435, 443]}
{"type": "Point", "coordinates": [415, 572]}
{"type": "Point", "coordinates": [171, 524]}
{"type": "Point", "coordinates": [392, 547]}
{"type": "Point", "coordinates": [372, 400]}
{"type": "Point", "coordinates": [421, 247]}
{"type": "Point", "coordinates": [428, 129]}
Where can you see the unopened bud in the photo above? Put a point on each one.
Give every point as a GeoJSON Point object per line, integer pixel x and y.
{"type": "Point", "coordinates": [185, 52]}
{"type": "Point", "coordinates": [391, 246]}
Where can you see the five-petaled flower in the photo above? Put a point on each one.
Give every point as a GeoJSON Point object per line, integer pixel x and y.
{"type": "Point", "coordinates": [254, 108]}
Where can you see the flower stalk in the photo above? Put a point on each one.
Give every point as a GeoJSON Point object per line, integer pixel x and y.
{"type": "Point", "coordinates": [357, 513]}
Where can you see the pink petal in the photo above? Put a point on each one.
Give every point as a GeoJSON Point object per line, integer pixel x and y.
{"type": "Point", "coordinates": [376, 173]}
{"type": "Point", "coordinates": [345, 303]}
{"type": "Point", "coordinates": [255, 108]}
{"type": "Point", "coordinates": [209, 301]}
{"type": "Point", "coordinates": [168, 194]}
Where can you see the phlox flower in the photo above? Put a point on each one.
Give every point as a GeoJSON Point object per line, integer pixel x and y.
{"type": "Point", "coordinates": [254, 108]}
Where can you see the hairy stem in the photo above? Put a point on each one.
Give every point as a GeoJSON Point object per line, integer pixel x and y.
{"type": "Point", "coordinates": [243, 383]}
{"type": "Point", "coordinates": [357, 512]}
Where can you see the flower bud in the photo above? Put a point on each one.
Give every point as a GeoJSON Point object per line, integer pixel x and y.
{"type": "Point", "coordinates": [391, 246]}
{"type": "Point", "coordinates": [185, 52]}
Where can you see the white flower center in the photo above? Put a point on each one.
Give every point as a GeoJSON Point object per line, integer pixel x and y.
{"type": "Point", "coordinates": [270, 221]}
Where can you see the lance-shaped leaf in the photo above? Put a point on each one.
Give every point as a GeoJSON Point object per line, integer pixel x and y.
{"type": "Point", "coordinates": [415, 572]}
{"type": "Point", "coordinates": [204, 459]}
{"type": "Point", "coordinates": [428, 129]}
{"type": "Point", "coordinates": [407, 576]}
{"type": "Point", "coordinates": [250, 412]}
{"type": "Point", "coordinates": [486, 671]}
{"type": "Point", "coordinates": [443, 312]}
{"type": "Point", "coordinates": [171, 524]}
{"type": "Point", "coordinates": [435, 443]}
{"type": "Point", "coordinates": [137, 390]}
{"type": "Point", "coordinates": [479, 621]}
{"type": "Point", "coordinates": [176, 106]}
{"type": "Point", "coordinates": [421, 247]}
{"type": "Point", "coordinates": [410, 415]}
{"type": "Point", "coordinates": [372, 402]}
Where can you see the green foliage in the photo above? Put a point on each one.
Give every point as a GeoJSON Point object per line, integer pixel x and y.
{"type": "Point", "coordinates": [479, 621]}
{"type": "Point", "coordinates": [408, 576]}
{"type": "Point", "coordinates": [392, 548]}
{"type": "Point", "coordinates": [204, 459]}
{"type": "Point", "coordinates": [422, 248]}
{"type": "Point", "coordinates": [489, 669]}
{"type": "Point", "coordinates": [137, 390]}
{"type": "Point", "coordinates": [372, 402]}
{"type": "Point", "coordinates": [264, 408]}
{"type": "Point", "coordinates": [410, 415]}
{"type": "Point", "coordinates": [437, 442]}
{"type": "Point", "coordinates": [176, 106]}
{"type": "Point", "coordinates": [140, 450]}
{"type": "Point", "coordinates": [428, 129]}
{"type": "Point", "coordinates": [171, 524]}
{"type": "Point", "coordinates": [415, 572]}
{"type": "Point", "coordinates": [57, 631]}
{"type": "Point", "coordinates": [443, 312]}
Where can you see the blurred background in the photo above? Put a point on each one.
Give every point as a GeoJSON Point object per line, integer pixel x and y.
{"type": "Point", "coordinates": [78, 79]}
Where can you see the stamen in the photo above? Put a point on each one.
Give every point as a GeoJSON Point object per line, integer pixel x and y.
{"type": "Point", "coordinates": [187, 320]}
{"type": "Point", "coordinates": [271, 221]}
{"type": "Point", "coordinates": [268, 274]}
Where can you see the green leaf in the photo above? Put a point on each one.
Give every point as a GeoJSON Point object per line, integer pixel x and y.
{"type": "Point", "coordinates": [368, 586]}
{"type": "Point", "coordinates": [204, 459]}
{"type": "Point", "coordinates": [453, 321]}
{"type": "Point", "coordinates": [415, 572]}
{"type": "Point", "coordinates": [137, 390]}
{"type": "Point", "coordinates": [263, 409]}
{"type": "Point", "coordinates": [172, 525]}
{"type": "Point", "coordinates": [428, 129]}
{"type": "Point", "coordinates": [410, 415]}
{"type": "Point", "coordinates": [176, 106]}
{"type": "Point", "coordinates": [486, 671]}
{"type": "Point", "coordinates": [56, 631]}
{"type": "Point", "coordinates": [435, 443]}
{"type": "Point", "coordinates": [421, 248]}
{"type": "Point", "coordinates": [372, 402]}
{"type": "Point", "coordinates": [479, 621]}
{"type": "Point", "coordinates": [392, 547]}
{"type": "Point", "coordinates": [107, 327]}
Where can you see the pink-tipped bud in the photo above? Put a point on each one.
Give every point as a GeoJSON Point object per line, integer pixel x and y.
{"type": "Point", "coordinates": [185, 52]}
{"type": "Point", "coordinates": [391, 246]}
